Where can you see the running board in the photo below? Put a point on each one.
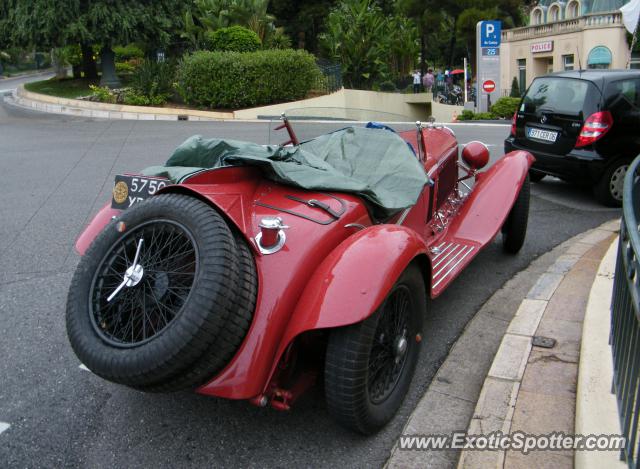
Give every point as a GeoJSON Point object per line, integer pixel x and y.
{"type": "Point", "coordinates": [448, 259]}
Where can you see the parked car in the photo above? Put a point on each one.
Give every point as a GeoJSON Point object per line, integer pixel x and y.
{"type": "Point", "coordinates": [581, 126]}
{"type": "Point", "coordinates": [250, 272]}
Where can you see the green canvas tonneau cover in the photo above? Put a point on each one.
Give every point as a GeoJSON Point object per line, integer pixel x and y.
{"type": "Point", "coordinates": [375, 164]}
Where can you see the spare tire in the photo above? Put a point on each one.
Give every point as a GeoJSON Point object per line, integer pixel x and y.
{"type": "Point", "coordinates": [154, 291]}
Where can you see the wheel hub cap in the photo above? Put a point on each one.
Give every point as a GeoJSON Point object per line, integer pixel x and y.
{"type": "Point", "coordinates": [400, 347]}
{"type": "Point", "coordinates": [133, 275]}
{"type": "Point", "coordinates": [616, 184]}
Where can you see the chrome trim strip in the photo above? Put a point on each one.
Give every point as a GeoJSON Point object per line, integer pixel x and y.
{"type": "Point", "coordinates": [443, 250]}
{"type": "Point", "coordinates": [403, 216]}
{"type": "Point", "coordinates": [451, 259]}
{"type": "Point", "coordinates": [471, 248]}
{"type": "Point", "coordinates": [449, 254]}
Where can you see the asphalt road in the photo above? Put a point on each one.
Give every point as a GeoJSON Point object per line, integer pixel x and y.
{"type": "Point", "coordinates": [9, 84]}
{"type": "Point", "coordinates": [56, 172]}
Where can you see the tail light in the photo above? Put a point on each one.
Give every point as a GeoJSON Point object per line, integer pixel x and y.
{"type": "Point", "coordinates": [594, 128]}
{"type": "Point", "coordinates": [514, 119]}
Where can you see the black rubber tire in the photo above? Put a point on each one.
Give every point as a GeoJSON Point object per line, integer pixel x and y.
{"type": "Point", "coordinates": [347, 363]}
{"type": "Point", "coordinates": [536, 176]}
{"type": "Point", "coordinates": [199, 322]}
{"type": "Point", "coordinates": [233, 330]}
{"type": "Point", "coordinates": [603, 191]}
{"type": "Point", "coordinates": [514, 230]}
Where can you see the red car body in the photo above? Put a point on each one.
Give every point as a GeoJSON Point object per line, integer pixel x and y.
{"type": "Point", "coordinates": [328, 276]}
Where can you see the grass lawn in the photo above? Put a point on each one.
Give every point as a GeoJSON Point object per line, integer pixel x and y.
{"type": "Point", "coordinates": [67, 88]}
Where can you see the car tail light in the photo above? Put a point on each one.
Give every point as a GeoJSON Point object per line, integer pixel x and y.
{"type": "Point", "coordinates": [514, 119]}
{"type": "Point", "coordinates": [594, 128]}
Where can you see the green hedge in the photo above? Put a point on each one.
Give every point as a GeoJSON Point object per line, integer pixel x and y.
{"type": "Point", "coordinates": [236, 80]}
{"type": "Point", "coordinates": [505, 107]}
{"type": "Point", "coordinates": [233, 39]}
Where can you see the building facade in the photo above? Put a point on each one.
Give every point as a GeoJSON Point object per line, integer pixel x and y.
{"type": "Point", "coordinates": [565, 35]}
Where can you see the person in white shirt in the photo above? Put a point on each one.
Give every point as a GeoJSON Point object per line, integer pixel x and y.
{"type": "Point", "coordinates": [416, 81]}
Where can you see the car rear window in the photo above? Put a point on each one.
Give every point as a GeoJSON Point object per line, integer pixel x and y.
{"type": "Point", "coordinates": [561, 95]}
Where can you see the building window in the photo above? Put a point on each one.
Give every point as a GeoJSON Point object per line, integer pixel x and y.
{"type": "Point", "coordinates": [599, 57]}
{"type": "Point", "coordinates": [635, 60]}
{"type": "Point", "coordinates": [573, 9]}
{"type": "Point", "coordinates": [522, 75]}
{"type": "Point", "coordinates": [567, 61]}
{"type": "Point", "coordinates": [554, 13]}
{"type": "Point", "coordinates": [536, 16]}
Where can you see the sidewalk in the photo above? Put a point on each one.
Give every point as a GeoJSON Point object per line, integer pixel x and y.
{"type": "Point", "coordinates": [529, 383]}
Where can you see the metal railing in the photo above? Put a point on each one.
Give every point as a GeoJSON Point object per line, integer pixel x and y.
{"type": "Point", "coordinates": [331, 76]}
{"type": "Point", "coordinates": [625, 317]}
{"type": "Point", "coordinates": [595, 20]}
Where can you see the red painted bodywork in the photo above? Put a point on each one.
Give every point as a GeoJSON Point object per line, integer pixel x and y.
{"type": "Point", "coordinates": [328, 276]}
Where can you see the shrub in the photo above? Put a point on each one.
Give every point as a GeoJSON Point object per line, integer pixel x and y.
{"type": "Point", "coordinates": [236, 80]}
{"type": "Point", "coordinates": [515, 88]}
{"type": "Point", "coordinates": [102, 94]}
{"type": "Point", "coordinates": [133, 98]}
{"type": "Point", "coordinates": [125, 68]}
{"type": "Point", "coordinates": [277, 40]}
{"type": "Point", "coordinates": [154, 80]}
{"type": "Point", "coordinates": [130, 51]}
{"type": "Point", "coordinates": [466, 115]}
{"type": "Point", "coordinates": [235, 38]}
{"type": "Point", "coordinates": [505, 107]}
{"type": "Point", "coordinates": [482, 116]}
{"type": "Point", "coordinates": [388, 86]}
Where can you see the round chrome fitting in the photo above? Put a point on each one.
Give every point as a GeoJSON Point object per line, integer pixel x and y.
{"type": "Point", "coordinates": [272, 236]}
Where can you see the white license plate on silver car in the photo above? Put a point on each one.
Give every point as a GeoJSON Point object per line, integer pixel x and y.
{"type": "Point", "coordinates": [546, 135]}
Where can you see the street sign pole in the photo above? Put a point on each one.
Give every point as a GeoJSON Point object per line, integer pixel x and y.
{"type": "Point", "coordinates": [488, 39]}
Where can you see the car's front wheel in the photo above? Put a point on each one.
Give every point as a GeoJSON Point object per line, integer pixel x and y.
{"type": "Point", "coordinates": [514, 230]}
{"type": "Point", "coordinates": [369, 365]}
{"type": "Point", "coordinates": [609, 189]}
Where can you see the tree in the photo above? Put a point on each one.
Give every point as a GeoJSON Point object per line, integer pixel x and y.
{"type": "Point", "coordinates": [456, 20]}
{"type": "Point", "coordinates": [515, 88]}
{"type": "Point", "coordinates": [371, 45]}
{"type": "Point", "coordinates": [206, 16]}
{"type": "Point", "coordinates": [303, 20]}
{"type": "Point", "coordinates": [56, 23]}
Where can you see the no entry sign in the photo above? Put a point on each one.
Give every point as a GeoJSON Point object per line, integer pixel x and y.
{"type": "Point", "coordinates": [489, 86]}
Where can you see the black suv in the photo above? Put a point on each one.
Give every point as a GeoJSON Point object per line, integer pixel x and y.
{"type": "Point", "coordinates": [582, 126]}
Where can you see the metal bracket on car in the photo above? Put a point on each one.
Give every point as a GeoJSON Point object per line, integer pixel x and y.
{"type": "Point", "coordinates": [335, 215]}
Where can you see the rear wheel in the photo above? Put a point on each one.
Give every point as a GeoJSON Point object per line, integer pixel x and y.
{"type": "Point", "coordinates": [609, 189]}
{"type": "Point", "coordinates": [514, 229]}
{"type": "Point", "coordinates": [154, 292]}
{"type": "Point", "coordinates": [369, 365]}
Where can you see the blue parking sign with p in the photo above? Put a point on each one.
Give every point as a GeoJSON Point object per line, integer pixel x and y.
{"type": "Point", "coordinates": [490, 33]}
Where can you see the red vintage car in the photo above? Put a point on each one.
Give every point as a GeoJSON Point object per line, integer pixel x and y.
{"type": "Point", "coordinates": [251, 276]}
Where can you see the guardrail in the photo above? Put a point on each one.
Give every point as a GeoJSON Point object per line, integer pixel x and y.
{"type": "Point", "coordinates": [625, 317]}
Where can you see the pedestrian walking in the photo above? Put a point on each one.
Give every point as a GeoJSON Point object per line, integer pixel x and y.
{"type": "Point", "coordinates": [428, 80]}
{"type": "Point", "coordinates": [416, 81]}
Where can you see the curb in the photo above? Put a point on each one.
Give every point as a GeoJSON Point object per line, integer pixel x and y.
{"type": "Point", "coordinates": [500, 392]}
{"type": "Point", "coordinates": [79, 108]}
{"type": "Point", "coordinates": [596, 406]}
{"type": "Point", "coordinates": [450, 401]}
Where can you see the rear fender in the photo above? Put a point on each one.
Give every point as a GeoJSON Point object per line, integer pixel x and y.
{"type": "Point", "coordinates": [106, 214]}
{"type": "Point", "coordinates": [354, 279]}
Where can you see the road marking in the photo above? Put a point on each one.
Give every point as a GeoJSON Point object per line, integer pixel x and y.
{"type": "Point", "coordinates": [84, 367]}
{"type": "Point", "coordinates": [4, 427]}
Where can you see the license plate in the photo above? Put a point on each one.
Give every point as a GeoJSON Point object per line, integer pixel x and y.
{"type": "Point", "coordinates": [129, 190]}
{"type": "Point", "coordinates": [546, 135]}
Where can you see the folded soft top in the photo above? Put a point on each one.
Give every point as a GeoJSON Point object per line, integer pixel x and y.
{"type": "Point", "coordinates": [375, 164]}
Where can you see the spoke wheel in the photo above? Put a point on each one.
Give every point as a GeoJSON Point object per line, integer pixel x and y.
{"type": "Point", "coordinates": [168, 260]}
{"type": "Point", "coordinates": [161, 296]}
{"type": "Point", "coordinates": [388, 353]}
{"type": "Point", "coordinates": [369, 365]}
